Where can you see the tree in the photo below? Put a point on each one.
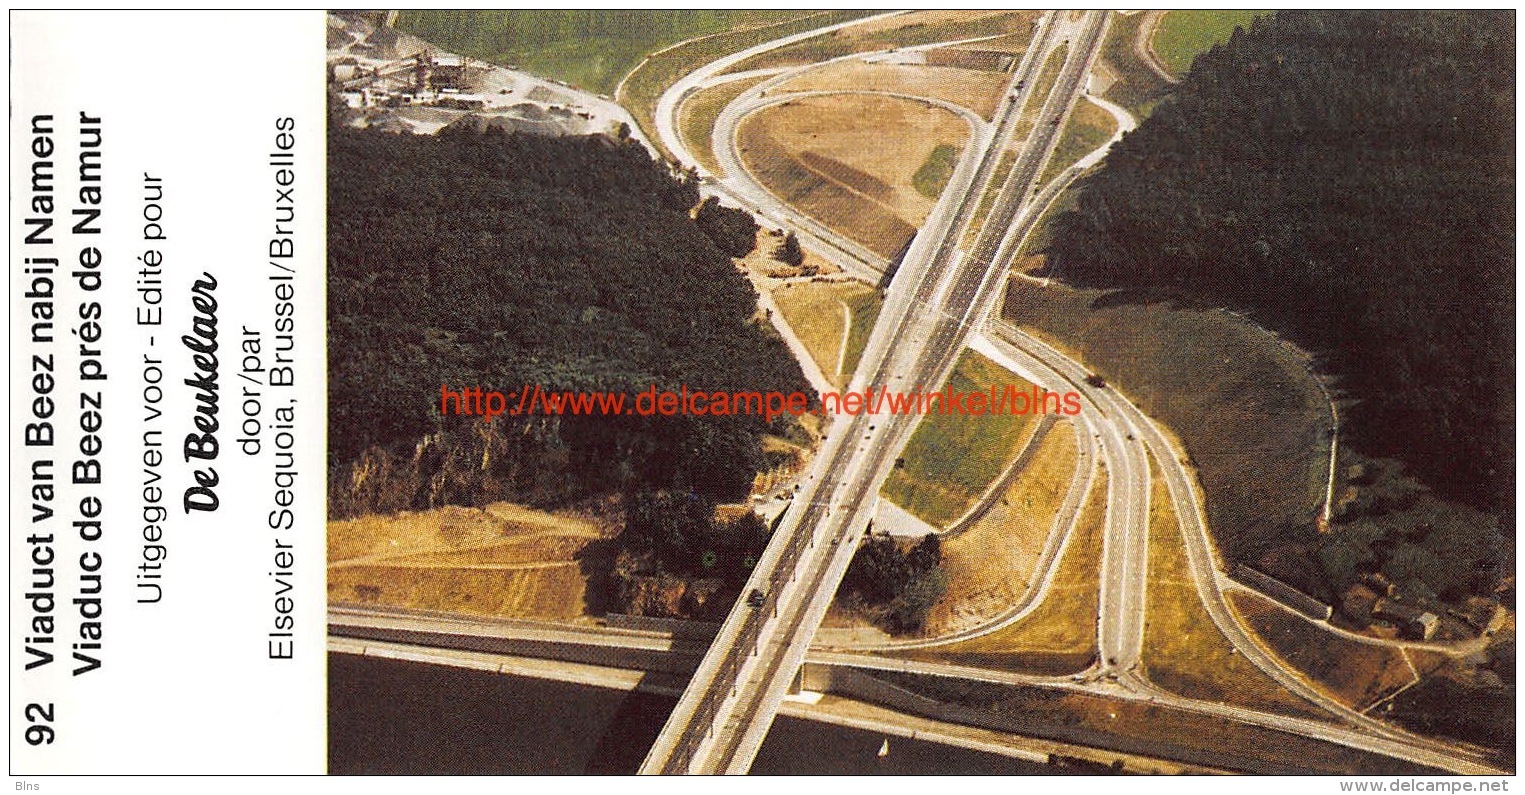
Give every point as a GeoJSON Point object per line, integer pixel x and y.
{"type": "Point", "coordinates": [1345, 178]}
{"type": "Point", "coordinates": [926, 555]}
{"type": "Point", "coordinates": [595, 277]}
{"type": "Point", "coordinates": [731, 229]}
{"type": "Point", "coordinates": [901, 584]}
{"type": "Point", "coordinates": [789, 251]}
{"type": "Point", "coordinates": [908, 612]}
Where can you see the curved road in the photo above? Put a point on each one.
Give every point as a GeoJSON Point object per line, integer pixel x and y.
{"type": "Point", "coordinates": [939, 296]}
{"type": "Point", "coordinates": [1120, 629]}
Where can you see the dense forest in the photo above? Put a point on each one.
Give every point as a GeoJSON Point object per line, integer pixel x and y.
{"type": "Point", "coordinates": [1346, 178]}
{"type": "Point", "coordinates": [491, 260]}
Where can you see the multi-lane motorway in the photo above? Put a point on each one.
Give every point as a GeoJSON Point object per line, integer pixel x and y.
{"type": "Point", "coordinates": [939, 296]}
{"type": "Point", "coordinates": [942, 295]}
{"type": "Point", "coordinates": [939, 302]}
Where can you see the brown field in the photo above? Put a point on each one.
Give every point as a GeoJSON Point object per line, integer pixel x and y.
{"type": "Point", "coordinates": [975, 90]}
{"type": "Point", "coordinates": [831, 158]}
{"type": "Point", "coordinates": [503, 560]}
{"type": "Point", "coordinates": [550, 592]}
{"type": "Point", "coordinates": [991, 565]}
{"type": "Point", "coordinates": [859, 182]}
{"type": "Point", "coordinates": [1357, 674]}
{"type": "Point", "coordinates": [1183, 650]}
{"type": "Point", "coordinates": [1059, 635]}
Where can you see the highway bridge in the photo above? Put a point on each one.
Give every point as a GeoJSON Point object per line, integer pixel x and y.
{"type": "Point", "coordinates": [939, 296]}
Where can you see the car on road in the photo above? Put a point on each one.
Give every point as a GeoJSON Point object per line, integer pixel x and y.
{"type": "Point", "coordinates": [756, 598]}
{"type": "Point", "coordinates": [1096, 380]}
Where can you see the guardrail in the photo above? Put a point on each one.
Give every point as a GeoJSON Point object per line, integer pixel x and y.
{"type": "Point", "coordinates": [736, 655]}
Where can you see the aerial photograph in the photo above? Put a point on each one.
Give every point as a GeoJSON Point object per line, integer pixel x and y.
{"type": "Point", "coordinates": [850, 392]}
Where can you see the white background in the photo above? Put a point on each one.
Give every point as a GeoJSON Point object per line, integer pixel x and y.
{"type": "Point", "coordinates": [186, 685]}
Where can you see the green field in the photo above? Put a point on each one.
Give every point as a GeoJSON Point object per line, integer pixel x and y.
{"type": "Point", "coordinates": [864, 309]}
{"type": "Point", "coordinates": [952, 458]}
{"type": "Point", "coordinates": [1183, 35]}
{"type": "Point", "coordinates": [591, 49]}
{"type": "Point", "coordinates": [933, 175]}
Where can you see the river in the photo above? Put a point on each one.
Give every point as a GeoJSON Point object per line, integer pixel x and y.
{"type": "Point", "coordinates": [394, 717]}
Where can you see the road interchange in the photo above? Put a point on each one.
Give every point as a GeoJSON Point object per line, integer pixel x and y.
{"type": "Point", "coordinates": [939, 296]}
{"type": "Point", "coordinates": [940, 301]}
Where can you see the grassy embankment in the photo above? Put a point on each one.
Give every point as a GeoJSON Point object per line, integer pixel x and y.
{"type": "Point", "coordinates": [907, 30]}
{"type": "Point", "coordinates": [1088, 128]}
{"type": "Point", "coordinates": [1245, 406]}
{"type": "Point", "coordinates": [1059, 636]}
{"type": "Point", "coordinates": [933, 175]}
{"type": "Point", "coordinates": [953, 458]}
{"type": "Point", "coordinates": [1183, 35]}
{"type": "Point", "coordinates": [993, 562]}
{"type": "Point", "coordinates": [697, 114]}
{"type": "Point", "coordinates": [1356, 673]}
{"type": "Point", "coordinates": [832, 319]}
{"type": "Point", "coordinates": [1184, 652]}
{"type": "Point", "coordinates": [1135, 86]}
